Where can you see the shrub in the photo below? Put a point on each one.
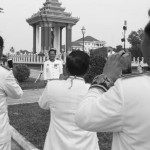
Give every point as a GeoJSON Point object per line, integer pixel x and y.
{"type": "Point", "coordinates": [21, 72]}
{"type": "Point", "coordinates": [97, 63]}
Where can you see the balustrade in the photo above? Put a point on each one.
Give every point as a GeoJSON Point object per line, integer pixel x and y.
{"type": "Point", "coordinates": [36, 59]}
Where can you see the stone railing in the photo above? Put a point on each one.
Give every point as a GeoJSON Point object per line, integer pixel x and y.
{"type": "Point", "coordinates": [136, 62]}
{"type": "Point", "coordinates": [28, 58]}
{"type": "Point", "coordinates": [35, 59]}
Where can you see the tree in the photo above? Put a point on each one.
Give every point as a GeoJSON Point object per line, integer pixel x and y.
{"type": "Point", "coordinates": [118, 48]}
{"type": "Point", "coordinates": [12, 50]}
{"type": "Point", "coordinates": [135, 38]}
{"type": "Point", "coordinates": [97, 63]}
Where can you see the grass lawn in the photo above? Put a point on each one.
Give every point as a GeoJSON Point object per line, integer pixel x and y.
{"type": "Point", "coordinates": [33, 122]}
{"type": "Point", "coordinates": [30, 84]}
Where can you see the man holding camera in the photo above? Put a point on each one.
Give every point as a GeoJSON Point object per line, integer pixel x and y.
{"type": "Point", "coordinates": [8, 88]}
{"type": "Point", "coordinates": [121, 106]}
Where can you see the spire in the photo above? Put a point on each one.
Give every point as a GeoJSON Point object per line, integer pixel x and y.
{"type": "Point", "coordinates": [52, 10]}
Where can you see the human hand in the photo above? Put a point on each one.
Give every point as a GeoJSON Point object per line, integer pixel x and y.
{"type": "Point", "coordinates": [113, 67]}
{"type": "Point", "coordinates": [125, 60]}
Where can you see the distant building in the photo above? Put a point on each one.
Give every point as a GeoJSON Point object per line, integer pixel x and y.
{"type": "Point", "coordinates": [23, 52]}
{"type": "Point", "coordinates": [89, 43]}
{"type": "Point", "coordinates": [110, 51]}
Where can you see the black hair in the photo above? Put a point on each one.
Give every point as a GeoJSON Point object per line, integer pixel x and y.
{"type": "Point", "coordinates": [52, 50]}
{"type": "Point", "coordinates": [147, 29]}
{"type": "Point", "coordinates": [1, 42]}
{"type": "Point", "coordinates": [77, 63]}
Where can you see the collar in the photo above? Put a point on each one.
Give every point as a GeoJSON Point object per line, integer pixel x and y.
{"type": "Point", "coordinates": [52, 61]}
{"type": "Point", "coordinates": [76, 77]}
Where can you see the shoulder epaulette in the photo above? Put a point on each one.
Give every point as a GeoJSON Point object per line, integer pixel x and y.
{"type": "Point", "coordinates": [7, 68]}
{"type": "Point", "coordinates": [132, 75]}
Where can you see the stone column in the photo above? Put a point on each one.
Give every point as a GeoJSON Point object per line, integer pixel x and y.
{"type": "Point", "coordinates": [68, 38]}
{"type": "Point", "coordinates": [49, 39]}
{"type": "Point", "coordinates": [34, 38]}
{"type": "Point", "coordinates": [57, 39]}
{"type": "Point", "coordinates": [48, 26]}
{"type": "Point", "coordinates": [61, 39]}
{"type": "Point", "coordinates": [42, 38]}
{"type": "Point", "coordinates": [37, 39]}
{"type": "Point", "coordinates": [46, 39]}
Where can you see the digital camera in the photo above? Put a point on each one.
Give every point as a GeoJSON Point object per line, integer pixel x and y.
{"type": "Point", "coordinates": [10, 63]}
{"type": "Point", "coordinates": [126, 62]}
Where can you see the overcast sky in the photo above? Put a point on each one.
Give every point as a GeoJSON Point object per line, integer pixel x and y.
{"type": "Point", "coordinates": [103, 19]}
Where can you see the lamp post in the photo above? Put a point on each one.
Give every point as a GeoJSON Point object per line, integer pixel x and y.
{"type": "Point", "coordinates": [83, 32]}
{"type": "Point", "coordinates": [124, 35]}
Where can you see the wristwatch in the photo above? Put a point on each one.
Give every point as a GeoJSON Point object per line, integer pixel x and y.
{"type": "Point", "coordinates": [102, 82]}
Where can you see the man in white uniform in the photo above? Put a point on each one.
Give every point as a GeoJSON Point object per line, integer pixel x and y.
{"type": "Point", "coordinates": [8, 88]}
{"type": "Point", "coordinates": [124, 109]}
{"type": "Point", "coordinates": [53, 68]}
{"type": "Point", "coordinates": [62, 97]}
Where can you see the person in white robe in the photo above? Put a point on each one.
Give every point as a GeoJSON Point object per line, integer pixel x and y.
{"type": "Point", "coordinates": [63, 97]}
{"type": "Point", "coordinates": [120, 105]}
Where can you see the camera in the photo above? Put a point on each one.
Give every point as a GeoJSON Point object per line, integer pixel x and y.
{"type": "Point", "coordinates": [10, 63]}
{"type": "Point", "coordinates": [126, 62]}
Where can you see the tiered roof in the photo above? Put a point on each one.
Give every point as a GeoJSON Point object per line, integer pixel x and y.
{"type": "Point", "coordinates": [52, 11]}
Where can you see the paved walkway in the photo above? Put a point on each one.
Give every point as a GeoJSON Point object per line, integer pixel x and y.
{"type": "Point", "coordinates": [29, 96]}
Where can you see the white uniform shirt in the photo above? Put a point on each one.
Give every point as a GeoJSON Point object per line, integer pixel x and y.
{"type": "Point", "coordinates": [8, 88]}
{"type": "Point", "coordinates": [52, 70]}
{"type": "Point", "coordinates": [124, 110]}
{"type": "Point", "coordinates": [62, 97]}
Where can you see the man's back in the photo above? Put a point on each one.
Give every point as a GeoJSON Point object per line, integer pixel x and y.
{"type": "Point", "coordinates": [124, 110]}
{"type": "Point", "coordinates": [135, 134]}
{"type": "Point", "coordinates": [63, 98]}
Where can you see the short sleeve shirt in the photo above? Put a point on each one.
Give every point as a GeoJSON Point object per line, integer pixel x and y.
{"type": "Point", "coordinates": [52, 70]}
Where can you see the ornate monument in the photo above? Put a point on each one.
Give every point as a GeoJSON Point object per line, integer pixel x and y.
{"type": "Point", "coordinates": [48, 24]}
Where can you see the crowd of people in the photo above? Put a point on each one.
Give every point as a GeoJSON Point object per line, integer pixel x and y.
{"type": "Point", "coordinates": [78, 110]}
